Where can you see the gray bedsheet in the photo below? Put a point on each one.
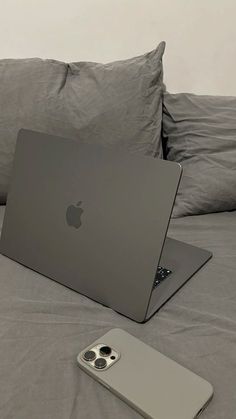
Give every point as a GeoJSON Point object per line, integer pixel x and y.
{"type": "Point", "coordinates": [43, 326]}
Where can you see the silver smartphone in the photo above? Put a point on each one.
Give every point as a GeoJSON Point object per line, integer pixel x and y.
{"type": "Point", "coordinates": [156, 386]}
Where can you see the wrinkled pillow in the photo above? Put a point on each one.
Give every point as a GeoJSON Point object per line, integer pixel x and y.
{"type": "Point", "coordinates": [199, 132]}
{"type": "Point", "coordinates": [115, 104]}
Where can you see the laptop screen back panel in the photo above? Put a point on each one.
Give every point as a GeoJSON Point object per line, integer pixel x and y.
{"type": "Point", "coordinates": [91, 218]}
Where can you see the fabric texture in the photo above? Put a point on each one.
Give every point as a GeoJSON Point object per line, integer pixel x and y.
{"type": "Point", "coordinates": [114, 104]}
{"type": "Point", "coordinates": [45, 325]}
{"type": "Point", "coordinates": [200, 133]}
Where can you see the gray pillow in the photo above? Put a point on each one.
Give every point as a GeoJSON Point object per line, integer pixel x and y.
{"type": "Point", "coordinates": [115, 104]}
{"type": "Point", "coordinates": [199, 132]}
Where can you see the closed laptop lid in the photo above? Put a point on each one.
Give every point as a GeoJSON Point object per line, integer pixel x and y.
{"type": "Point", "coordinates": [91, 218]}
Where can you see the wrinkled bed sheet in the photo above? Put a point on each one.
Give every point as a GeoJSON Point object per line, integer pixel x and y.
{"type": "Point", "coordinates": [43, 326]}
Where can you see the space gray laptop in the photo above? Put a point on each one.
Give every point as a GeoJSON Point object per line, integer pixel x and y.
{"type": "Point", "coordinates": [95, 220]}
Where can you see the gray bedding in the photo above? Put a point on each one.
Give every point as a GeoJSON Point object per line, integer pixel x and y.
{"type": "Point", "coordinates": [43, 326]}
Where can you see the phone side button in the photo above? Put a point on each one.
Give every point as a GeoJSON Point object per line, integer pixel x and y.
{"type": "Point", "coordinates": [104, 384]}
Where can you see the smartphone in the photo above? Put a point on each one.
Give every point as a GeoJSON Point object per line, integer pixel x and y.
{"type": "Point", "coordinates": [156, 386]}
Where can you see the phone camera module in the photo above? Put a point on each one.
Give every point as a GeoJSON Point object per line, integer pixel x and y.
{"type": "Point", "coordinates": [89, 356]}
{"type": "Point", "coordinates": [100, 363]}
{"type": "Point", "coordinates": [105, 351]}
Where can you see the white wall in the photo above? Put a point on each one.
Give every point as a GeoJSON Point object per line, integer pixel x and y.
{"type": "Point", "coordinates": [200, 34]}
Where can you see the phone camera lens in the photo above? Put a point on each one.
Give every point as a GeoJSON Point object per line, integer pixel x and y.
{"type": "Point", "coordinates": [105, 351]}
{"type": "Point", "coordinates": [89, 355]}
{"type": "Point", "coordinates": [100, 363]}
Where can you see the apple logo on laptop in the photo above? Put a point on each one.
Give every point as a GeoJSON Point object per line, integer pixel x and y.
{"type": "Point", "coordinates": [73, 215]}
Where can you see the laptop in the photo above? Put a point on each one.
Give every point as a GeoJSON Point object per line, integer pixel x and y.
{"type": "Point", "coordinates": [95, 219]}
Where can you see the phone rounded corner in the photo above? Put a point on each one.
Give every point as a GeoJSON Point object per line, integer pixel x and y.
{"type": "Point", "coordinates": [210, 389]}
{"type": "Point", "coordinates": [78, 359]}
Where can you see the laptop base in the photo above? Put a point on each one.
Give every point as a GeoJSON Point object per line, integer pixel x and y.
{"type": "Point", "coordinates": [184, 260]}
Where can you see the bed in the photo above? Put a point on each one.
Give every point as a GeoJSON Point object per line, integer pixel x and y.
{"type": "Point", "coordinates": [44, 325]}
